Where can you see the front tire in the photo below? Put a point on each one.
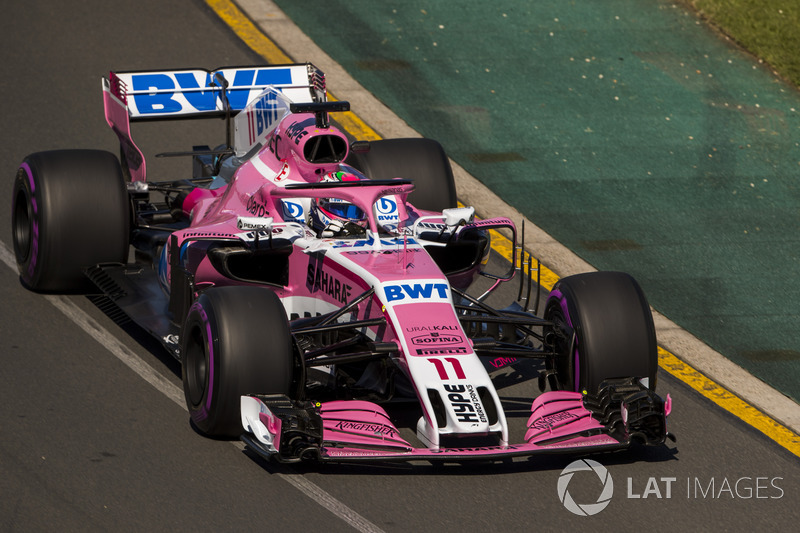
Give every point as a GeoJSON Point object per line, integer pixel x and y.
{"type": "Point", "coordinates": [235, 341]}
{"type": "Point", "coordinates": [614, 332]}
{"type": "Point", "coordinates": [70, 211]}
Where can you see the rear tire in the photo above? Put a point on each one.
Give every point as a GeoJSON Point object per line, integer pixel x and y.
{"type": "Point", "coordinates": [421, 160]}
{"type": "Point", "coordinates": [614, 332]}
{"type": "Point", "coordinates": [70, 211]}
{"type": "Point", "coordinates": [235, 341]}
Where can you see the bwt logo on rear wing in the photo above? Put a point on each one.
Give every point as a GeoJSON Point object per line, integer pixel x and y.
{"type": "Point", "coordinates": [162, 94]}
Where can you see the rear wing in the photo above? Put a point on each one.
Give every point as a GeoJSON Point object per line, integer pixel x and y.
{"type": "Point", "coordinates": [191, 93]}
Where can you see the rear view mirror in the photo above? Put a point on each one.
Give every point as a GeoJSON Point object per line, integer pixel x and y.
{"type": "Point", "coordinates": [458, 216]}
{"type": "Point", "coordinates": [460, 245]}
{"type": "Point", "coordinates": [490, 228]}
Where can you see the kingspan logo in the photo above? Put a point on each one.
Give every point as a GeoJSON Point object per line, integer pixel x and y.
{"type": "Point", "coordinates": [585, 509]}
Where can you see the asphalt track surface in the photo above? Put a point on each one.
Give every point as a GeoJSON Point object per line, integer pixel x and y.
{"type": "Point", "coordinates": [87, 444]}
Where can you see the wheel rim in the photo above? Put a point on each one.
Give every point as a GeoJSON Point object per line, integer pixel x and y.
{"type": "Point", "coordinates": [196, 364]}
{"type": "Point", "coordinates": [22, 229]}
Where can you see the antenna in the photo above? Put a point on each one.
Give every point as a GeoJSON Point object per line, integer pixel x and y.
{"type": "Point", "coordinates": [320, 110]}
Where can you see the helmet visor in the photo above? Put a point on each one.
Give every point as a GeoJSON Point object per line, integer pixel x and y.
{"type": "Point", "coordinates": [343, 210]}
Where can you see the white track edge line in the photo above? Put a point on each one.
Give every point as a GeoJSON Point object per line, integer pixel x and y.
{"type": "Point", "coordinates": [174, 393]}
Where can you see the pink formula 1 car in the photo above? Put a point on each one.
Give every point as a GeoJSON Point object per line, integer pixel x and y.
{"type": "Point", "coordinates": [313, 286]}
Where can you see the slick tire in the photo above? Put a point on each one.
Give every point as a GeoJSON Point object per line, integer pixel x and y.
{"type": "Point", "coordinates": [614, 332]}
{"type": "Point", "coordinates": [70, 211]}
{"type": "Point", "coordinates": [235, 341]}
{"type": "Point", "coordinates": [421, 160]}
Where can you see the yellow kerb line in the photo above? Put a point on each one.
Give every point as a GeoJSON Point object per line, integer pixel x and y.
{"type": "Point", "coordinates": [248, 32]}
{"type": "Point", "coordinates": [244, 28]}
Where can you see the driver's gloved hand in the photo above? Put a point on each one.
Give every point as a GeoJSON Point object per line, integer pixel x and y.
{"type": "Point", "coordinates": [339, 229]}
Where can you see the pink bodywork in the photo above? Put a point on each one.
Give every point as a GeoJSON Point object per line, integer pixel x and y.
{"type": "Point", "coordinates": [410, 292]}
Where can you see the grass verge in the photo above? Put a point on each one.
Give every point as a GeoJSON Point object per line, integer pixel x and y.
{"type": "Point", "coordinates": [768, 29]}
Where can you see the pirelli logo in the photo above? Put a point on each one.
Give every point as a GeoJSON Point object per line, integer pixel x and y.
{"type": "Point", "coordinates": [442, 351]}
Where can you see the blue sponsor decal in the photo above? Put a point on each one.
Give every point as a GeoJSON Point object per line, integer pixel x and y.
{"type": "Point", "coordinates": [242, 78]}
{"type": "Point", "coordinates": [386, 206]}
{"type": "Point", "coordinates": [416, 291]}
{"type": "Point", "coordinates": [369, 241]}
{"type": "Point", "coordinates": [292, 210]}
{"type": "Point", "coordinates": [265, 113]}
{"type": "Point", "coordinates": [387, 209]}
{"type": "Point", "coordinates": [299, 129]}
{"type": "Point", "coordinates": [158, 102]}
{"type": "Point", "coordinates": [200, 100]}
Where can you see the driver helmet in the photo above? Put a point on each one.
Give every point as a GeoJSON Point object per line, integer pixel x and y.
{"type": "Point", "coordinates": [336, 216]}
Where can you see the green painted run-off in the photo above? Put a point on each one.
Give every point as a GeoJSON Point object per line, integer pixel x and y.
{"type": "Point", "coordinates": [627, 130]}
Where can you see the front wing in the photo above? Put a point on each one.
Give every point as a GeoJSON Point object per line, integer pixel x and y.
{"type": "Point", "coordinates": [623, 412]}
